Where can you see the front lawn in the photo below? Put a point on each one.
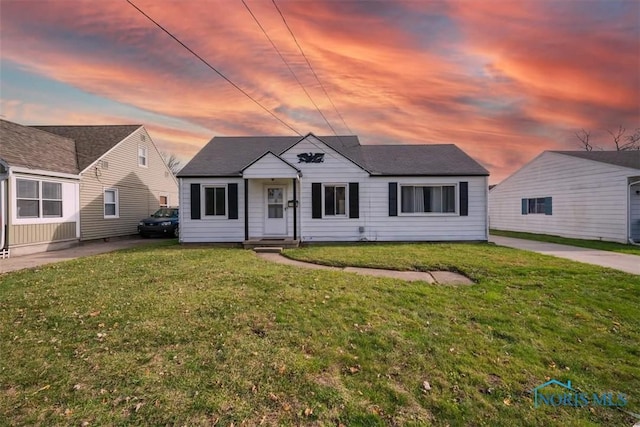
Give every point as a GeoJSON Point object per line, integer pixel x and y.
{"type": "Point", "coordinates": [591, 244]}
{"type": "Point", "coordinates": [170, 335]}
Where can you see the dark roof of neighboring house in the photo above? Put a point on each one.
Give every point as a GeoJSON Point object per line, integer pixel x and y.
{"type": "Point", "coordinates": [227, 156]}
{"type": "Point", "coordinates": [627, 159]}
{"type": "Point", "coordinates": [34, 149]}
{"type": "Point", "coordinates": [92, 142]}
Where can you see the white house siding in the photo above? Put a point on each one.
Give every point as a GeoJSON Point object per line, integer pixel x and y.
{"type": "Point", "coordinates": [589, 198]}
{"type": "Point", "coordinates": [427, 227]}
{"type": "Point", "coordinates": [210, 229]}
{"type": "Point", "coordinates": [139, 188]}
{"type": "Point", "coordinates": [334, 170]}
{"type": "Point", "coordinates": [269, 166]}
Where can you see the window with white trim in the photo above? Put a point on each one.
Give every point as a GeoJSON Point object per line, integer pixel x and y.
{"type": "Point", "coordinates": [38, 199]}
{"type": "Point", "coordinates": [111, 203]}
{"type": "Point", "coordinates": [143, 156]}
{"type": "Point", "coordinates": [215, 201]}
{"type": "Point", "coordinates": [51, 199]}
{"type": "Point", "coordinates": [335, 200]}
{"type": "Point", "coordinates": [164, 201]}
{"type": "Point", "coordinates": [428, 199]}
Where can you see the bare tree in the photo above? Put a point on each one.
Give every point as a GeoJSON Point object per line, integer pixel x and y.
{"type": "Point", "coordinates": [173, 163]}
{"type": "Point", "coordinates": [621, 140]}
{"type": "Point", "coordinates": [633, 141]}
{"type": "Point", "coordinates": [583, 137]}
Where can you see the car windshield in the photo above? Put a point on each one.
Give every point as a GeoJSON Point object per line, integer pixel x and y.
{"type": "Point", "coordinates": [165, 213]}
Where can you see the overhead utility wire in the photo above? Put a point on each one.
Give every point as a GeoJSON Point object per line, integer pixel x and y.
{"type": "Point", "coordinates": [288, 66]}
{"type": "Point", "coordinates": [213, 68]}
{"type": "Point", "coordinates": [309, 64]}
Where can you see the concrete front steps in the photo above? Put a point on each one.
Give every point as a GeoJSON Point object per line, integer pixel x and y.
{"type": "Point", "coordinates": [270, 245]}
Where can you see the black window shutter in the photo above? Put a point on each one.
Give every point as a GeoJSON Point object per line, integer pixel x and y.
{"type": "Point", "coordinates": [464, 198]}
{"type": "Point", "coordinates": [316, 200]}
{"type": "Point", "coordinates": [232, 195]}
{"type": "Point", "coordinates": [525, 206]}
{"type": "Point", "coordinates": [354, 200]}
{"type": "Point", "coordinates": [195, 201]}
{"type": "Point", "coordinates": [548, 210]}
{"type": "Point", "coordinates": [393, 199]}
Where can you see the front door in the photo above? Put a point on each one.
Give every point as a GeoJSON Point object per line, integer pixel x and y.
{"type": "Point", "coordinates": [275, 222]}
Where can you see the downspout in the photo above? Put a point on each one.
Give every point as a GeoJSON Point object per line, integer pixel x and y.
{"type": "Point", "coordinates": [4, 205]}
{"type": "Point", "coordinates": [631, 241]}
{"type": "Point", "coordinates": [4, 212]}
{"type": "Point", "coordinates": [246, 209]}
{"type": "Point", "coordinates": [295, 210]}
{"type": "Point", "coordinates": [486, 209]}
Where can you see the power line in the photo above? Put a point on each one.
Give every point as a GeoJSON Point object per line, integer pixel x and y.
{"type": "Point", "coordinates": [213, 68]}
{"type": "Point", "coordinates": [288, 66]}
{"type": "Point", "coordinates": [309, 64]}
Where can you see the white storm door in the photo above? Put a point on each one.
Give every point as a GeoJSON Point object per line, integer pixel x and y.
{"type": "Point", "coordinates": [275, 221]}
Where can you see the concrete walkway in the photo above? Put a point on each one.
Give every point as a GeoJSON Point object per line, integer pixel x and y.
{"type": "Point", "coordinates": [84, 249]}
{"type": "Point", "coordinates": [440, 277]}
{"type": "Point", "coordinates": [623, 262]}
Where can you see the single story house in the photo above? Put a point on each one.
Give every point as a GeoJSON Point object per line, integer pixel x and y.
{"type": "Point", "coordinates": [110, 177]}
{"type": "Point", "coordinates": [591, 195]}
{"type": "Point", "coordinates": [331, 188]}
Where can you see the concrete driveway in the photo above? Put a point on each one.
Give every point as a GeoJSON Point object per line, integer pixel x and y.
{"type": "Point", "coordinates": [623, 262]}
{"type": "Point", "coordinates": [84, 249]}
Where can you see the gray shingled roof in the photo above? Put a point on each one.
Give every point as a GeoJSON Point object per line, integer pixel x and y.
{"type": "Point", "coordinates": [627, 159]}
{"type": "Point", "coordinates": [436, 159]}
{"type": "Point", "coordinates": [92, 142]}
{"type": "Point", "coordinates": [34, 149]}
{"type": "Point", "coordinates": [227, 156]}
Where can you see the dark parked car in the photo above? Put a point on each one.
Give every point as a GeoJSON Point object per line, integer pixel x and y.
{"type": "Point", "coordinates": [163, 222]}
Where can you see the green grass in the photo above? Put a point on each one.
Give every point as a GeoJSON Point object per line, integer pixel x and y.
{"type": "Point", "coordinates": [591, 244]}
{"type": "Point", "coordinates": [169, 335]}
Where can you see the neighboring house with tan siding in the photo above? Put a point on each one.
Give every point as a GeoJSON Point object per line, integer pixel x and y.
{"type": "Point", "coordinates": [123, 178]}
{"type": "Point", "coordinates": [39, 191]}
{"type": "Point", "coordinates": [63, 184]}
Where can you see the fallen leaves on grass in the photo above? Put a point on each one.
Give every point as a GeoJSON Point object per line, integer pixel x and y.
{"type": "Point", "coordinates": [354, 369]}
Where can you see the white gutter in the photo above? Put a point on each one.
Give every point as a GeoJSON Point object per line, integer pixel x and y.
{"type": "Point", "coordinates": [633, 242]}
{"type": "Point", "coordinates": [40, 172]}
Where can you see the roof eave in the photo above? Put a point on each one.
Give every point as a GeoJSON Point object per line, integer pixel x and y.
{"type": "Point", "coordinates": [201, 175]}
{"type": "Point", "coordinates": [382, 174]}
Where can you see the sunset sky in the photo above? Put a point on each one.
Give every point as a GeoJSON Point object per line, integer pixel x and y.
{"type": "Point", "coordinates": [504, 80]}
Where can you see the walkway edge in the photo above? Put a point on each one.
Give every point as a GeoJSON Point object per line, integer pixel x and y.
{"type": "Point", "coordinates": [433, 277]}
